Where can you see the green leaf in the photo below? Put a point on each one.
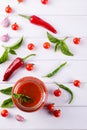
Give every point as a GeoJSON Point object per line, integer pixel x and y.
{"type": "Point", "coordinates": [7, 103]}
{"type": "Point", "coordinates": [22, 98]}
{"type": "Point", "coordinates": [57, 46]}
{"type": "Point", "coordinates": [16, 95]}
{"type": "Point", "coordinates": [4, 56]}
{"type": "Point", "coordinates": [25, 99]}
{"type": "Point", "coordinates": [52, 38]}
{"type": "Point", "coordinates": [65, 50]}
{"type": "Point", "coordinates": [12, 52]}
{"type": "Point", "coordinates": [6, 91]}
{"type": "Point", "coordinates": [56, 70]}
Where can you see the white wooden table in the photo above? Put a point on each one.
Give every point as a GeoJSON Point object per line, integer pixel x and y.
{"type": "Point", "coordinates": [70, 19]}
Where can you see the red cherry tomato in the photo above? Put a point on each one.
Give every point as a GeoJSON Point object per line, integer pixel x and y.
{"type": "Point", "coordinates": [76, 83]}
{"type": "Point", "coordinates": [15, 26]}
{"type": "Point", "coordinates": [44, 2]}
{"type": "Point", "coordinates": [8, 9]}
{"type": "Point", "coordinates": [20, 1]}
{"type": "Point", "coordinates": [57, 113]}
{"type": "Point", "coordinates": [50, 106]}
{"type": "Point", "coordinates": [57, 92]}
{"type": "Point", "coordinates": [76, 40]}
{"type": "Point", "coordinates": [46, 45]}
{"type": "Point", "coordinates": [31, 46]}
{"type": "Point", "coordinates": [4, 113]}
{"type": "Point", "coordinates": [30, 67]}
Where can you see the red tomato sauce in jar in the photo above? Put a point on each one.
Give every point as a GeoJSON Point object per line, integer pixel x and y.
{"type": "Point", "coordinates": [34, 88]}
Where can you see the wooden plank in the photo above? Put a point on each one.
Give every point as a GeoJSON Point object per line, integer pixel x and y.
{"type": "Point", "coordinates": [59, 7]}
{"type": "Point", "coordinates": [79, 51]}
{"type": "Point", "coordinates": [73, 70]}
{"type": "Point", "coordinates": [65, 25]}
{"type": "Point", "coordinates": [42, 120]}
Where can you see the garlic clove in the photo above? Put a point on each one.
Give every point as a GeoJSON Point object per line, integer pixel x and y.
{"type": "Point", "coordinates": [5, 22]}
{"type": "Point", "coordinates": [19, 118]}
{"type": "Point", "coordinates": [4, 38]}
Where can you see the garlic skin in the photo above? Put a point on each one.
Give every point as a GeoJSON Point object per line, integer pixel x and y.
{"type": "Point", "coordinates": [5, 22]}
{"type": "Point", "coordinates": [4, 38]}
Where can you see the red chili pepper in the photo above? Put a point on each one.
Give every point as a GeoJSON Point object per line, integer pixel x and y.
{"type": "Point", "coordinates": [40, 22]}
{"type": "Point", "coordinates": [17, 63]}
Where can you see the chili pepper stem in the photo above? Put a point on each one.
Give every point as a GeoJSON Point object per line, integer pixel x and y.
{"type": "Point", "coordinates": [25, 16]}
{"type": "Point", "coordinates": [28, 56]}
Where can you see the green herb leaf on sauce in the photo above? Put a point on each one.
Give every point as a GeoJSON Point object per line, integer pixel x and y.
{"type": "Point", "coordinates": [22, 98]}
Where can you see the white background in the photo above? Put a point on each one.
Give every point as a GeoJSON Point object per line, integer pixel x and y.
{"type": "Point", "coordinates": [69, 17]}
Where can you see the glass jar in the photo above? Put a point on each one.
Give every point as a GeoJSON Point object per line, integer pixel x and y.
{"type": "Point", "coordinates": [32, 87]}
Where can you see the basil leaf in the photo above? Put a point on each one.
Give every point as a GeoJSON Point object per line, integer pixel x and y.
{"type": "Point", "coordinates": [25, 99]}
{"type": "Point", "coordinates": [7, 103]}
{"type": "Point", "coordinates": [12, 52]}
{"type": "Point", "coordinates": [65, 50]}
{"type": "Point", "coordinates": [57, 46]}
{"type": "Point", "coordinates": [22, 97]}
{"type": "Point", "coordinates": [4, 56]}
{"type": "Point", "coordinates": [16, 95]}
{"type": "Point", "coordinates": [52, 38]}
{"type": "Point", "coordinates": [6, 91]}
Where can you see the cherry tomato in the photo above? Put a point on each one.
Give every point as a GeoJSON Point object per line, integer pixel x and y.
{"type": "Point", "coordinates": [20, 1]}
{"type": "Point", "coordinates": [57, 92]}
{"type": "Point", "coordinates": [46, 45]}
{"type": "Point", "coordinates": [76, 83]}
{"type": "Point", "coordinates": [4, 113]}
{"type": "Point", "coordinates": [31, 46]}
{"type": "Point", "coordinates": [57, 113]}
{"type": "Point", "coordinates": [44, 2]}
{"type": "Point", "coordinates": [50, 106]}
{"type": "Point", "coordinates": [30, 67]}
{"type": "Point", "coordinates": [76, 40]}
{"type": "Point", "coordinates": [8, 9]}
{"type": "Point", "coordinates": [15, 26]}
